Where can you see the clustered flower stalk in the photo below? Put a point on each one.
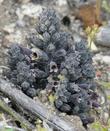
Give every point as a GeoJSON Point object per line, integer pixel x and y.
{"type": "Point", "coordinates": [58, 64]}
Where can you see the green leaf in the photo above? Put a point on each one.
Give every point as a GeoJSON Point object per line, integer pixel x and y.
{"type": "Point", "coordinates": [104, 129]}
{"type": "Point", "coordinates": [108, 97]}
{"type": "Point", "coordinates": [51, 98]}
{"type": "Point", "coordinates": [105, 84]}
{"type": "Point", "coordinates": [8, 129]}
{"type": "Point", "coordinates": [98, 126]}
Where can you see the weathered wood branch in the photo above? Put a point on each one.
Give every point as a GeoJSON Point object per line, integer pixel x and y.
{"type": "Point", "coordinates": [36, 107]}
{"type": "Point", "coordinates": [16, 116]}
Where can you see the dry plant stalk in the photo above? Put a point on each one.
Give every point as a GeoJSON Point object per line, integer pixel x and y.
{"type": "Point", "coordinates": [98, 9]}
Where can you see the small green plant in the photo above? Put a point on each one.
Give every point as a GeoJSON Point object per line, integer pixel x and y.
{"type": "Point", "coordinates": [106, 85]}
{"type": "Point", "coordinates": [98, 126]}
{"type": "Point", "coordinates": [42, 126]}
{"type": "Point", "coordinates": [91, 33]}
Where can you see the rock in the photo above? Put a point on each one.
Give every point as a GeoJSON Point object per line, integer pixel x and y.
{"type": "Point", "coordinates": [103, 36]}
{"type": "Point", "coordinates": [76, 26]}
{"type": "Point", "coordinates": [78, 3]}
{"type": "Point", "coordinates": [20, 23]}
{"type": "Point", "coordinates": [16, 37]}
{"type": "Point", "coordinates": [23, 1]}
{"type": "Point", "coordinates": [9, 28]}
{"type": "Point", "coordinates": [13, 33]}
{"type": "Point", "coordinates": [31, 10]}
{"type": "Point", "coordinates": [1, 1]}
{"type": "Point", "coordinates": [45, 2]}
{"type": "Point", "coordinates": [77, 38]}
{"type": "Point", "coordinates": [1, 37]}
{"type": "Point", "coordinates": [61, 7]}
{"type": "Point", "coordinates": [76, 122]}
{"type": "Point", "coordinates": [61, 2]}
{"type": "Point", "coordinates": [102, 58]}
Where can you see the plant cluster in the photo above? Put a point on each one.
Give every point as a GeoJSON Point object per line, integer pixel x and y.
{"type": "Point", "coordinates": [56, 64]}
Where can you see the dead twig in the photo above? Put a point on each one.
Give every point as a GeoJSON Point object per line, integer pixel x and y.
{"type": "Point", "coordinates": [15, 115]}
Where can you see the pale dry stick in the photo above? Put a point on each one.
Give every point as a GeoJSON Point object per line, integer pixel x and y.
{"type": "Point", "coordinates": [4, 67]}
{"type": "Point", "coordinates": [98, 9]}
{"type": "Point", "coordinates": [15, 115]}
